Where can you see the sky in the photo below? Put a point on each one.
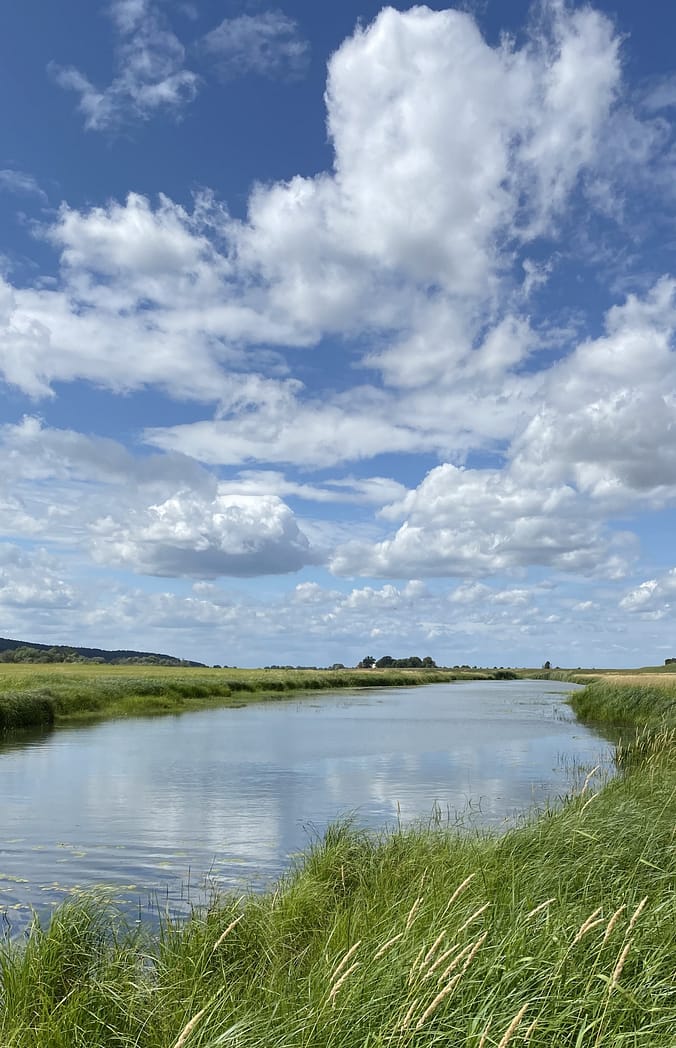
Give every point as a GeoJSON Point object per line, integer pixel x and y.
{"type": "Point", "coordinates": [333, 330]}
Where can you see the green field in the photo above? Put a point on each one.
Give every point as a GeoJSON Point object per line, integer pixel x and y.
{"type": "Point", "coordinates": [559, 933]}
{"type": "Point", "coordinates": [35, 695]}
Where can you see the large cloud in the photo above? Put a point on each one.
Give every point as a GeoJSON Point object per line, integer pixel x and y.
{"type": "Point", "coordinates": [188, 536]}
{"type": "Point", "coordinates": [602, 443]}
{"type": "Point", "coordinates": [472, 152]}
{"type": "Point", "coordinates": [609, 425]}
{"type": "Point", "coordinates": [479, 522]}
{"type": "Point", "coordinates": [415, 256]}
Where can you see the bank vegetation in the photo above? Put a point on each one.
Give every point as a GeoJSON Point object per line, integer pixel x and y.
{"type": "Point", "coordinates": [559, 933]}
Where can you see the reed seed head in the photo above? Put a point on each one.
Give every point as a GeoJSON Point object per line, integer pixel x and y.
{"type": "Point", "coordinates": [412, 913]}
{"type": "Point", "coordinates": [433, 949]}
{"type": "Point", "coordinates": [335, 988]}
{"type": "Point", "coordinates": [507, 1036]}
{"type": "Point", "coordinates": [189, 1027]}
{"type": "Point", "coordinates": [542, 906]}
{"type": "Point", "coordinates": [386, 945]}
{"type": "Point", "coordinates": [459, 890]}
{"type": "Point", "coordinates": [224, 935]}
{"type": "Point", "coordinates": [477, 913]}
{"type": "Point", "coordinates": [617, 971]}
{"type": "Point", "coordinates": [613, 921]}
{"type": "Point", "coordinates": [344, 960]}
{"type": "Point", "coordinates": [591, 920]}
{"type": "Point", "coordinates": [636, 914]}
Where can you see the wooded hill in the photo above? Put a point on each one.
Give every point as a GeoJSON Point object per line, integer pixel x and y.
{"type": "Point", "coordinates": [31, 651]}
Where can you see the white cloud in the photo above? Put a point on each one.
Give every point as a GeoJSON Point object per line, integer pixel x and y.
{"type": "Point", "coordinates": [412, 244]}
{"type": "Point", "coordinates": [20, 182]}
{"type": "Point", "coordinates": [239, 535]}
{"type": "Point", "coordinates": [32, 580]}
{"type": "Point", "coordinates": [603, 443]}
{"type": "Point", "coordinates": [462, 522]}
{"type": "Point", "coordinates": [150, 70]}
{"type": "Point", "coordinates": [652, 597]}
{"type": "Point", "coordinates": [609, 425]}
{"type": "Point", "coordinates": [416, 257]}
{"type": "Point", "coordinates": [268, 44]}
{"type": "Point", "coordinates": [70, 488]}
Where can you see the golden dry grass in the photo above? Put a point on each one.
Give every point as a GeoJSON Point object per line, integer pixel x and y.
{"type": "Point", "coordinates": [662, 680]}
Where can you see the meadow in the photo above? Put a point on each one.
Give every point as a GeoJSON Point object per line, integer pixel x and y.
{"type": "Point", "coordinates": [559, 933]}
{"type": "Point", "coordinates": [60, 693]}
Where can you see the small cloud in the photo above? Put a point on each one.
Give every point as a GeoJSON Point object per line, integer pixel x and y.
{"type": "Point", "coordinates": [662, 95]}
{"type": "Point", "coordinates": [20, 182]}
{"type": "Point", "coordinates": [151, 74]}
{"type": "Point", "coordinates": [267, 44]}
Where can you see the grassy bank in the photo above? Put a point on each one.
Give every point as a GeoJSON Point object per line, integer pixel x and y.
{"type": "Point", "coordinates": [560, 933]}
{"type": "Point", "coordinates": [32, 695]}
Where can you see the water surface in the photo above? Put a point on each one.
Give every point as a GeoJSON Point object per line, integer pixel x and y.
{"type": "Point", "coordinates": [151, 806]}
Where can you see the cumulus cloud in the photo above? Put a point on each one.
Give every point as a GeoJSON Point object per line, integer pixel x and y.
{"type": "Point", "coordinates": [602, 442]}
{"type": "Point", "coordinates": [150, 70]}
{"type": "Point", "coordinates": [416, 257]}
{"type": "Point", "coordinates": [239, 535]}
{"type": "Point", "coordinates": [654, 597]}
{"type": "Point", "coordinates": [69, 487]}
{"type": "Point", "coordinates": [414, 242]}
{"type": "Point", "coordinates": [33, 580]}
{"type": "Point", "coordinates": [609, 424]}
{"type": "Point", "coordinates": [268, 43]}
{"type": "Point", "coordinates": [462, 522]}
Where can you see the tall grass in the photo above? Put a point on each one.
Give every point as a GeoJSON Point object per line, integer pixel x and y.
{"type": "Point", "coordinates": [19, 710]}
{"type": "Point", "coordinates": [560, 933]}
{"type": "Point", "coordinates": [33, 695]}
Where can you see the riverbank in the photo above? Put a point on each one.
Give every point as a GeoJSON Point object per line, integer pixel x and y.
{"type": "Point", "coordinates": [36, 695]}
{"type": "Point", "coordinates": [560, 932]}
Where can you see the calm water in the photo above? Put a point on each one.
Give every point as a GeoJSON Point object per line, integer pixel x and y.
{"type": "Point", "coordinates": [152, 806]}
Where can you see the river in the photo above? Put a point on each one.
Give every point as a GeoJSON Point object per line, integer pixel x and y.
{"type": "Point", "coordinates": [158, 808]}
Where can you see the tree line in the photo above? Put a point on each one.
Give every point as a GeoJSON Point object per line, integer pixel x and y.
{"type": "Point", "coordinates": [386, 662]}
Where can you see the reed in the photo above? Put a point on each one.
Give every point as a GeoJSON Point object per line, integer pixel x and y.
{"type": "Point", "coordinates": [35, 696]}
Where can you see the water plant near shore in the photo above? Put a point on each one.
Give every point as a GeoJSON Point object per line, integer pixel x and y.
{"type": "Point", "coordinates": [560, 932]}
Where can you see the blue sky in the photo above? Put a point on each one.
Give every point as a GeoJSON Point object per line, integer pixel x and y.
{"type": "Point", "coordinates": [330, 330]}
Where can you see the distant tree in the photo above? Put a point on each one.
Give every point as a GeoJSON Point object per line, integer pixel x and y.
{"type": "Point", "coordinates": [385, 662]}
{"type": "Point", "coordinates": [366, 664]}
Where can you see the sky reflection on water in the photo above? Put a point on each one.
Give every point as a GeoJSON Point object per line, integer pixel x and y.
{"type": "Point", "coordinates": [149, 805]}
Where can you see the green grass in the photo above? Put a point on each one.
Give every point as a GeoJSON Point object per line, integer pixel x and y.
{"type": "Point", "coordinates": [419, 937]}
{"type": "Point", "coordinates": [33, 695]}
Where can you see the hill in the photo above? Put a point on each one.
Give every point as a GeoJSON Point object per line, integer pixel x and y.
{"type": "Point", "coordinates": [31, 651]}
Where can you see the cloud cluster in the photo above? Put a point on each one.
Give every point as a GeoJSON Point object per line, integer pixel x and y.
{"type": "Point", "coordinates": [473, 152]}
{"type": "Point", "coordinates": [151, 72]}
{"type": "Point", "coordinates": [480, 522]}
{"type": "Point", "coordinates": [33, 581]}
{"type": "Point", "coordinates": [603, 442]}
{"type": "Point", "coordinates": [417, 262]}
